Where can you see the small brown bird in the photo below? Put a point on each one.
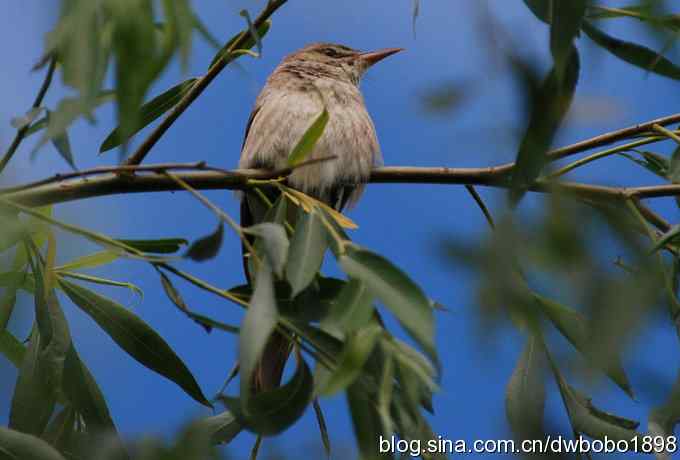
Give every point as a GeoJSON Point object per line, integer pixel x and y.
{"type": "Point", "coordinates": [321, 75]}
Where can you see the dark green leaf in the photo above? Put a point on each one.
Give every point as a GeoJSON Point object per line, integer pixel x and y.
{"type": "Point", "coordinates": [573, 325]}
{"type": "Point", "coordinates": [356, 351]}
{"type": "Point", "coordinates": [149, 112]}
{"type": "Point", "coordinates": [252, 30]}
{"type": "Point", "coordinates": [84, 393]}
{"type": "Point", "coordinates": [61, 432]}
{"type": "Point", "coordinates": [309, 139]}
{"type": "Point", "coordinates": [548, 103]}
{"type": "Point", "coordinates": [670, 237]}
{"type": "Point", "coordinates": [249, 43]}
{"type": "Point", "coordinates": [525, 393]}
{"type": "Point", "coordinates": [11, 348]}
{"type": "Point", "coordinates": [258, 324]}
{"type": "Point", "coordinates": [207, 247]}
{"type": "Point", "coordinates": [8, 300]}
{"type": "Point", "coordinates": [306, 251]}
{"type": "Point", "coordinates": [19, 446]}
{"type": "Point", "coordinates": [637, 55]}
{"type": "Point", "coordinates": [674, 167]}
{"type": "Point", "coordinates": [564, 29]}
{"type": "Point", "coordinates": [652, 162]}
{"type": "Point", "coordinates": [160, 246]}
{"type": "Point", "coordinates": [135, 337]}
{"type": "Point", "coordinates": [272, 239]}
{"type": "Point", "coordinates": [34, 395]}
{"type": "Point", "coordinates": [323, 430]}
{"type": "Point", "coordinates": [270, 412]}
{"type": "Point", "coordinates": [314, 303]}
{"type": "Point", "coordinates": [397, 291]}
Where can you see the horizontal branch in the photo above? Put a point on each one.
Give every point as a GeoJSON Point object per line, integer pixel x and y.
{"type": "Point", "coordinates": [109, 183]}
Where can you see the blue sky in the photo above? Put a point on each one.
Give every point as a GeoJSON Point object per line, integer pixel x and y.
{"type": "Point", "coordinates": [406, 223]}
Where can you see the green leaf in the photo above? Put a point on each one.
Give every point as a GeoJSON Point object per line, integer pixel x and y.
{"type": "Point", "coordinates": [356, 351]}
{"type": "Point", "coordinates": [275, 243]}
{"type": "Point", "coordinates": [160, 246]}
{"type": "Point", "coordinates": [84, 393]}
{"type": "Point", "coordinates": [309, 139]}
{"type": "Point", "coordinates": [674, 167]}
{"type": "Point", "coordinates": [397, 291]}
{"type": "Point", "coordinates": [525, 393]}
{"type": "Point", "coordinates": [93, 260]}
{"type": "Point", "coordinates": [8, 301]}
{"type": "Point", "coordinates": [670, 237]}
{"type": "Point", "coordinates": [352, 309]}
{"type": "Point", "coordinates": [103, 281]}
{"type": "Point", "coordinates": [573, 326]}
{"type": "Point", "coordinates": [20, 446]}
{"type": "Point", "coordinates": [11, 348]}
{"type": "Point", "coordinates": [652, 162]}
{"type": "Point", "coordinates": [252, 30]}
{"type": "Point", "coordinates": [564, 29]}
{"type": "Point", "coordinates": [366, 421]}
{"type": "Point", "coordinates": [258, 325]}
{"type": "Point", "coordinates": [549, 103]}
{"type": "Point", "coordinates": [34, 395]}
{"type": "Point", "coordinates": [207, 247]}
{"type": "Point", "coordinates": [306, 251]}
{"type": "Point", "coordinates": [62, 143]}
{"type": "Point", "coordinates": [135, 337]}
{"type": "Point", "coordinates": [632, 53]}
{"type": "Point", "coordinates": [149, 112]}
{"type": "Point", "coordinates": [222, 427]}
{"type": "Point", "coordinates": [270, 412]}
{"type": "Point", "coordinates": [664, 417]}
{"type": "Point", "coordinates": [249, 43]}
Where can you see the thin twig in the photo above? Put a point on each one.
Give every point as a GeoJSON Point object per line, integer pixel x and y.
{"type": "Point", "coordinates": [202, 83]}
{"type": "Point", "coordinates": [21, 133]}
{"type": "Point", "coordinates": [478, 199]}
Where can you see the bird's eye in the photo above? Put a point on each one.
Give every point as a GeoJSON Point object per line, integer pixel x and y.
{"type": "Point", "coordinates": [330, 52]}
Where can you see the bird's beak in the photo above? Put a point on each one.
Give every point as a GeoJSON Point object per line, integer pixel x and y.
{"type": "Point", "coordinates": [371, 57]}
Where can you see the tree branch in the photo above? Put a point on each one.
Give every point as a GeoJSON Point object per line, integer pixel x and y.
{"type": "Point", "coordinates": [202, 83]}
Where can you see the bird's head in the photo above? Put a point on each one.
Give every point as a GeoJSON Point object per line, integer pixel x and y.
{"type": "Point", "coordinates": [338, 60]}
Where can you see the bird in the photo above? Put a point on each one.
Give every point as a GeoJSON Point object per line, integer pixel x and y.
{"type": "Point", "coordinates": [318, 77]}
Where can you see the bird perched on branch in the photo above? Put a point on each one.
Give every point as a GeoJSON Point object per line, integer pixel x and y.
{"type": "Point", "coordinates": [319, 77]}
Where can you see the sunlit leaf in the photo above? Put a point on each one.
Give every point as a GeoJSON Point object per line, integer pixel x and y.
{"type": "Point", "coordinates": [93, 260]}
{"type": "Point", "coordinates": [397, 292]}
{"type": "Point", "coordinates": [207, 247]}
{"type": "Point", "coordinates": [134, 336]}
{"type": "Point", "coordinates": [308, 141]}
{"type": "Point", "coordinates": [258, 325]}
{"type": "Point", "coordinates": [307, 250]}
{"type": "Point", "coordinates": [222, 427]}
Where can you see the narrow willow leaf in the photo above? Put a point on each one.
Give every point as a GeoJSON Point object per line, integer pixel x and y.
{"type": "Point", "coordinates": [308, 141]}
{"type": "Point", "coordinates": [34, 396]}
{"type": "Point", "coordinates": [134, 336]}
{"type": "Point", "coordinates": [104, 281]}
{"type": "Point", "coordinates": [564, 29]}
{"type": "Point", "coordinates": [670, 237]}
{"type": "Point", "coordinates": [207, 247]}
{"type": "Point", "coordinates": [351, 310]}
{"type": "Point", "coordinates": [222, 427]}
{"type": "Point", "coordinates": [323, 429]}
{"type": "Point", "coordinates": [542, 9]}
{"type": "Point", "coordinates": [525, 392]}
{"type": "Point", "coordinates": [149, 112]}
{"type": "Point", "coordinates": [652, 162]}
{"type": "Point", "coordinates": [11, 348]}
{"type": "Point", "coordinates": [270, 412]}
{"type": "Point", "coordinates": [62, 143]}
{"type": "Point", "coordinates": [632, 53]}
{"type": "Point", "coordinates": [160, 246]}
{"type": "Point", "coordinates": [20, 446]}
{"type": "Point", "coordinates": [84, 394]}
{"type": "Point", "coordinates": [366, 421]}
{"type": "Point", "coordinates": [96, 259]}
{"type": "Point", "coordinates": [549, 103]}
{"type": "Point", "coordinates": [258, 324]}
{"type": "Point", "coordinates": [573, 325]}
{"type": "Point", "coordinates": [397, 291]}
{"type": "Point", "coordinates": [306, 251]}
{"type": "Point", "coordinates": [274, 242]}
{"type": "Point", "coordinates": [358, 347]}
{"type": "Point", "coordinates": [588, 419]}
{"type": "Point", "coordinates": [248, 44]}
{"type": "Point", "coordinates": [252, 30]}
